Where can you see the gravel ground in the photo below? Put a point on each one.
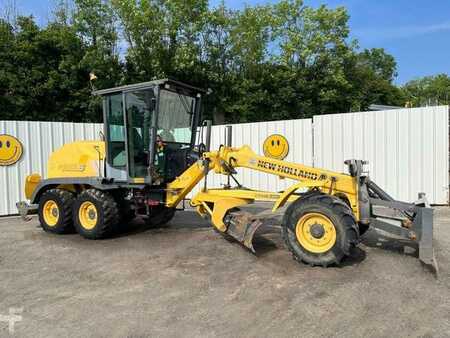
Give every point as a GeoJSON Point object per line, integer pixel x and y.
{"type": "Point", "coordinates": [187, 280]}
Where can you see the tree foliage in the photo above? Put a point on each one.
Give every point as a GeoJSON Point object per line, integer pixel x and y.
{"type": "Point", "coordinates": [430, 90]}
{"type": "Point", "coordinates": [41, 76]}
{"type": "Point", "coordinates": [277, 61]}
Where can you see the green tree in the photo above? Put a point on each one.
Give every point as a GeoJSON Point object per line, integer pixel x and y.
{"type": "Point", "coordinates": [276, 61]}
{"type": "Point", "coordinates": [96, 23]}
{"type": "Point", "coordinates": [161, 35]}
{"type": "Point", "coordinates": [41, 77]}
{"type": "Point", "coordinates": [314, 44]}
{"type": "Point", "coordinates": [234, 51]}
{"type": "Point", "coordinates": [429, 90]}
{"type": "Point", "coordinates": [381, 63]}
{"type": "Point", "coordinates": [215, 57]}
{"type": "Point", "coordinates": [8, 103]}
{"type": "Point", "coordinates": [371, 75]}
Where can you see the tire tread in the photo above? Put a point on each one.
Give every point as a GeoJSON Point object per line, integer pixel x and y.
{"type": "Point", "coordinates": [109, 211]}
{"type": "Point", "coordinates": [344, 214]}
{"type": "Point", "coordinates": [65, 210]}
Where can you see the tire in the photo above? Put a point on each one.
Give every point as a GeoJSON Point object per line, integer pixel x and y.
{"type": "Point", "coordinates": [127, 215]}
{"type": "Point", "coordinates": [319, 229]}
{"type": "Point", "coordinates": [55, 211]}
{"type": "Point", "coordinates": [363, 228]}
{"type": "Point", "coordinates": [95, 214]}
{"type": "Point", "coordinates": [126, 211]}
{"type": "Point", "coordinates": [160, 216]}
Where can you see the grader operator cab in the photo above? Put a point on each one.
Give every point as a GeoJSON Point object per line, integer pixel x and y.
{"type": "Point", "coordinates": [150, 130]}
{"type": "Point", "coordinates": [151, 158]}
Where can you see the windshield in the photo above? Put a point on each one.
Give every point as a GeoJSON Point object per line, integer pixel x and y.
{"type": "Point", "coordinates": [175, 117]}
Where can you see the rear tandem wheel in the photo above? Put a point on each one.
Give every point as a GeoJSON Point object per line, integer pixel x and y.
{"type": "Point", "coordinates": [95, 214]}
{"type": "Point", "coordinates": [55, 211]}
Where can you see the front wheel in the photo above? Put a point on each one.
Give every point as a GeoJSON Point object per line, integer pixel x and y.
{"type": "Point", "coordinates": [319, 229]}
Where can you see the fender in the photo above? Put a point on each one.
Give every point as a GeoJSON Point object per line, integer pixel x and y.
{"type": "Point", "coordinates": [95, 182]}
{"type": "Point", "coordinates": [284, 197]}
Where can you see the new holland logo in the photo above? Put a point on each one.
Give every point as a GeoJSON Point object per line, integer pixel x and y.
{"type": "Point", "coordinates": [292, 171]}
{"type": "Point", "coordinates": [72, 167]}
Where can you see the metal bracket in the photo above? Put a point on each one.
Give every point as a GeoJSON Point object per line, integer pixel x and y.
{"type": "Point", "coordinates": [421, 229]}
{"type": "Point", "coordinates": [25, 209]}
{"type": "Point", "coordinates": [380, 223]}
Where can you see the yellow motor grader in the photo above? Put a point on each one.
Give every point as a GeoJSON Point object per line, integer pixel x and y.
{"type": "Point", "coordinates": [151, 158]}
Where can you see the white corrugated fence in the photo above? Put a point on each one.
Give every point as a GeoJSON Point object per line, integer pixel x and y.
{"type": "Point", "coordinates": [39, 140]}
{"type": "Point", "coordinates": [407, 149]}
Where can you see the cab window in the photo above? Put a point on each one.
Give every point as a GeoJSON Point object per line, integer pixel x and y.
{"type": "Point", "coordinates": [175, 117]}
{"type": "Point", "coordinates": [116, 131]}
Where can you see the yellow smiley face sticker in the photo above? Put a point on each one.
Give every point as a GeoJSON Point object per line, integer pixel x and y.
{"type": "Point", "coordinates": [276, 146]}
{"type": "Point", "coordinates": [10, 150]}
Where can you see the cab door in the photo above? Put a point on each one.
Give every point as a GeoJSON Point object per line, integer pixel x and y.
{"type": "Point", "coordinates": [139, 112]}
{"type": "Point", "coordinates": [116, 153]}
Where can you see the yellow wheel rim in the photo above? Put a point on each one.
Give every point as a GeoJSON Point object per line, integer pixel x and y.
{"type": "Point", "coordinates": [87, 215]}
{"type": "Point", "coordinates": [315, 232]}
{"type": "Point", "coordinates": [50, 213]}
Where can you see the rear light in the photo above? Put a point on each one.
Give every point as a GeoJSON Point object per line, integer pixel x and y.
{"type": "Point", "coordinates": [153, 203]}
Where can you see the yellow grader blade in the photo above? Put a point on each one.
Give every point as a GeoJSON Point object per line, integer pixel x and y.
{"type": "Point", "coordinates": [242, 227]}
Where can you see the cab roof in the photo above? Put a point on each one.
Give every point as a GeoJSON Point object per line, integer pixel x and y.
{"type": "Point", "coordinates": [148, 84]}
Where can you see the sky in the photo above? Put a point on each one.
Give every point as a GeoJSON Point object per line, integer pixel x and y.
{"type": "Point", "coordinates": [415, 32]}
